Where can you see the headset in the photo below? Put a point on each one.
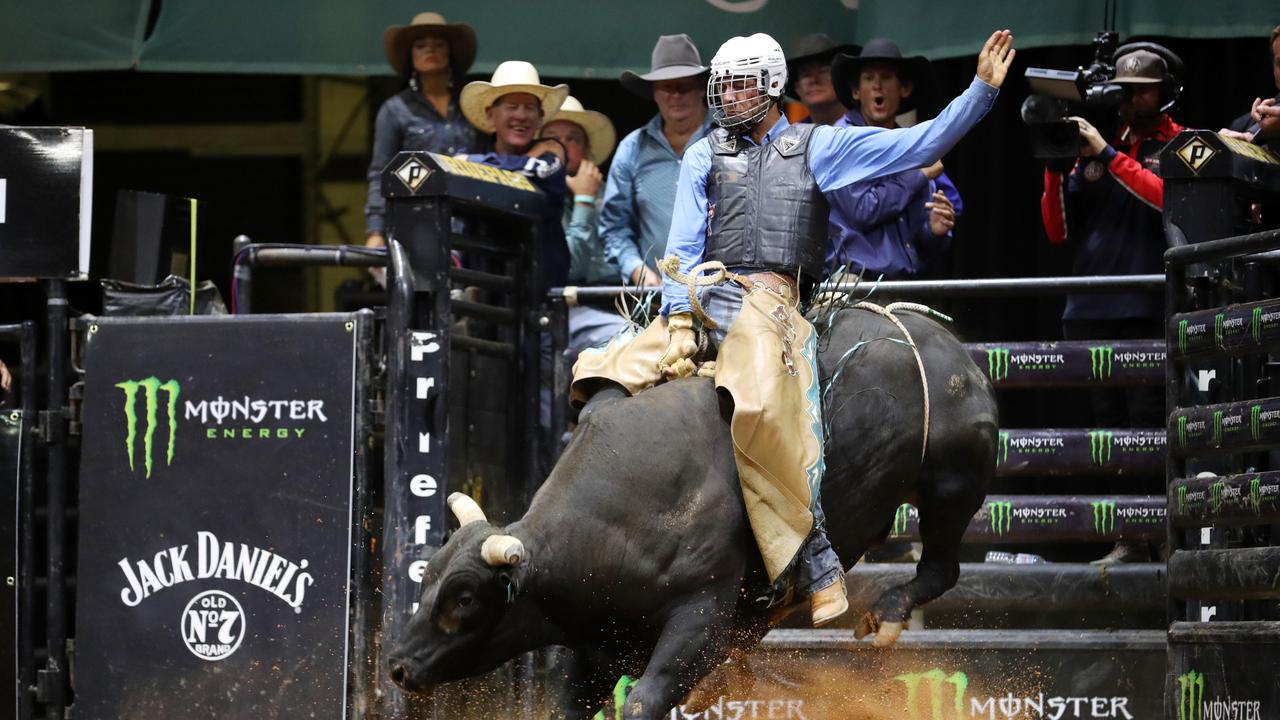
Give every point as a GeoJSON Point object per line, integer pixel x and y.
{"type": "Point", "coordinates": [1171, 85]}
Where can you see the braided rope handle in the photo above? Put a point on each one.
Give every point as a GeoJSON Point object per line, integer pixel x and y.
{"type": "Point", "coordinates": [670, 266]}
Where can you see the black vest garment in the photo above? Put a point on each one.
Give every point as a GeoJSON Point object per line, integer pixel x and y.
{"type": "Point", "coordinates": [764, 208]}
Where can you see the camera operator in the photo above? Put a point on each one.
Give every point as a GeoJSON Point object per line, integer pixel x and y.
{"type": "Point", "coordinates": [1110, 206]}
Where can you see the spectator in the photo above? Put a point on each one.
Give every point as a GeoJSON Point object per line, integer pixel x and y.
{"type": "Point", "coordinates": [809, 67]}
{"type": "Point", "coordinates": [1253, 125]}
{"type": "Point", "coordinates": [430, 56]}
{"type": "Point", "coordinates": [640, 194]}
{"type": "Point", "coordinates": [512, 106]}
{"type": "Point", "coordinates": [1112, 202]}
{"type": "Point", "coordinates": [588, 138]}
{"type": "Point", "coordinates": [891, 227]}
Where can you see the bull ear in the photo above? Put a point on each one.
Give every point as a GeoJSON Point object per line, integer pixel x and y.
{"type": "Point", "coordinates": [502, 550]}
{"type": "Point", "coordinates": [465, 509]}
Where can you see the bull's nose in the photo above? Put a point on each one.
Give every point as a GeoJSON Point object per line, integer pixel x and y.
{"type": "Point", "coordinates": [398, 672]}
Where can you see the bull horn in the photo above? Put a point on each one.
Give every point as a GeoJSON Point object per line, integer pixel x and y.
{"type": "Point", "coordinates": [465, 509]}
{"type": "Point", "coordinates": [500, 550]}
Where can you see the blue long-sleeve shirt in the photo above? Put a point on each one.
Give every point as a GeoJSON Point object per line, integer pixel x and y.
{"type": "Point", "coordinates": [881, 226]}
{"type": "Point", "coordinates": [635, 216]}
{"type": "Point", "coordinates": [837, 157]}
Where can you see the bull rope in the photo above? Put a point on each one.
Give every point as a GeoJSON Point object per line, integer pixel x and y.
{"type": "Point", "coordinates": [887, 312]}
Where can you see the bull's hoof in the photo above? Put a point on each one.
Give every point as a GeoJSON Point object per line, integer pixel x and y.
{"type": "Point", "coordinates": [888, 634]}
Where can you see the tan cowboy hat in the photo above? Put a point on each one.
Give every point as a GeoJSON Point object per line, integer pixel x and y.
{"type": "Point", "coordinates": [512, 76]}
{"type": "Point", "coordinates": [397, 41]}
{"type": "Point", "coordinates": [599, 129]}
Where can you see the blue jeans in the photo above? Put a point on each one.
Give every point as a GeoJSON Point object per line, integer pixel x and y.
{"type": "Point", "coordinates": [818, 566]}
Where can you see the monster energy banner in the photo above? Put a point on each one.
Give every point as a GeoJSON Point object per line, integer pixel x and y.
{"type": "Point", "coordinates": [1104, 451]}
{"type": "Point", "coordinates": [1233, 329]}
{"type": "Point", "coordinates": [11, 449]}
{"type": "Point", "coordinates": [1223, 673]}
{"type": "Point", "coordinates": [1053, 518]}
{"type": "Point", "coordinates": [216, 517]}
{"type": "Point", "coordinates": [1237, 426]}
{"type": "Point", "coordinates": [1249, 499]}
{"type": "Point", "coordinates": [1073, 363]}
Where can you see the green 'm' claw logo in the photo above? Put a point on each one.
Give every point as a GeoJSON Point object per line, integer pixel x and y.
{"type": "Point", "coordinates": [1191, 696]}
{"type": "Point", "coordinates": [1001, 516]}
{"type": "Point", "coordinates": [1104, 516]}
{"type": "Point", "coordinates": [1215, 495]}
{"type": "Point", "coordinates": [900, 518]}
{"type": "Point", "coordinates": [1100, 362]}
{"type": "Point", "coordinates": [1217, 428]}
{"type": "Point", "coordinates": [1217, 329]}
{"type": "Point", "coordinates": [1182, 336]}
{"type": "Point", "coordinates": [1255, 495]}
{"type": "Point", "coordinates": [1182, 431]}
{"type": "Point", "coordinates": [1255, 421]}
{"type": "Point", "coordinates": [937, 680]}
{"type": "Point", "coordinates": [998, 364]}
{"type": "Point", "coordinates": [1182, 499]}
{"type": "Point", "coordinates": [620, 690]}
{"type": "Point", "coordinates": [1100, 446]}
{"type": "Point", "coordinates": [1002, 452]}
{"type": "Point", "coordinates": [151, 387]}
{"type": "Point", "coordinates": [1255, 325]}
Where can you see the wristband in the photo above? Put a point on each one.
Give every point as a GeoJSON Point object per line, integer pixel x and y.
{"type": "Point", "coordinates": [585, 199]}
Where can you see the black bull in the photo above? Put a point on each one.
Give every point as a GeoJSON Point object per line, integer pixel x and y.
{"type": "Point", "coordinates": [637, 550]}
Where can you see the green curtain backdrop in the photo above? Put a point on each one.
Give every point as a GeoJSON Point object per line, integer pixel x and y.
{"type": "Point", "coordinates": [57, 35]}
{"type": "Point", "coordinates": [567, 38]}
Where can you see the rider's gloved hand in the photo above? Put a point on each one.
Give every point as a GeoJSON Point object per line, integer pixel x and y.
{"type": "Point", "coordinates": [677, 361]}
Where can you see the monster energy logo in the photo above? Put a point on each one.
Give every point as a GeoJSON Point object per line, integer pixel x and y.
{"type": "Point", "coordinates": [1255, 421]}
{"type": "Point", "coordinates": [1104, 516]}
{"type": "Point", "coordinates": [936, 680]}
{"type": "Point", "coordinates": [1217, 329]}
{"type": "Point", "coordinates": [1002, 452]}
{"type": "Point", "coordinates": [998, 364]}
{"type": "Point", "coordinates": [620, 691]}
{"type": "Point", "coordinates": [1215, 495]}
{"type": "Point", "coordinates": [151, 390]}
{"type": "Point", "coordinates": [1182, 336]}
{"type": "Point", "coordinates": [1182, 431]}
{"type": "Point", "coordinates": [1182, 499]}
{"type": "Point", "coordinates": [1100, 446]}
{"type": "Point", "coordinates": [900, 518]}
{"type": "Point", "coordinates": [1001, 516]}
{"type": "Point", "coordinates": [1100, 362]}
{"type": "Point", "coordinates": [1217, 427]}
{"type": "Point", "coordinates": [1255, 494]}
{"type": "Point", "coordinates": [1255, 325]}
{"type": "Point", "coordinates": [1191, 696]}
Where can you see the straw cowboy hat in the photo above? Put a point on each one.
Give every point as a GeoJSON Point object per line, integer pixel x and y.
{"type": "Point", "coordinates": [846, 69]}
{"type": "Point", "coordinates": [397, 41]}
{"type": "Point", "coordinates": [599, 129]}
{"type": "Point", "coordinates": [512, 76]}
{"type": "Point", "coordinates": [674, 56]}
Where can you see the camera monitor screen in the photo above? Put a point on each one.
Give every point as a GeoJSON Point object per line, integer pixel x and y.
{"type": "Point", "coordinates": [46, 198]}
{"type": "Point", "coordinates": [1064, 84]}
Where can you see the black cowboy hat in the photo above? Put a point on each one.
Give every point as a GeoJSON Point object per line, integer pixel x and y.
{"type": "Point", "coordinates": [674, 56]}
{"type": "Point", "coordinates": [818, 46]}
{"type": "Point", "coordinates": [845, 70]}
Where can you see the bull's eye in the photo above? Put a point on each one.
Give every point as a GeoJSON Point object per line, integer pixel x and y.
{"type": "Point", "coordinates": [465, 600]}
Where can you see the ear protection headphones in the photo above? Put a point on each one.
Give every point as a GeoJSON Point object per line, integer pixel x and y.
{"type": "Point", "coordinates": [1171, 85]}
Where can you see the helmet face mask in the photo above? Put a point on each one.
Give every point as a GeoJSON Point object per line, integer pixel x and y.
{"type": "Point", "coordinates": [748, 75]}
{"type": "Point", "coordinates": [738, 101]}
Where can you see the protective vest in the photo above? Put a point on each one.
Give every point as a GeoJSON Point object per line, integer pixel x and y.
{"type": "Point", "coordinates": [764, 208]}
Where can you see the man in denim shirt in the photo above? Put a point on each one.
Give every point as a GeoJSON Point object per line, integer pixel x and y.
{"type": "Point", "coordinates": [641, 191]}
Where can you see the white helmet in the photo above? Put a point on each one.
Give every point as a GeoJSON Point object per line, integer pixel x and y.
{"type": "Point", "coordinates": [743, 63]}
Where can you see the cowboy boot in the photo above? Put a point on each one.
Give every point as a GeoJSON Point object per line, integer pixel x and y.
{"type": "Point", "coordinates": [829, 603]}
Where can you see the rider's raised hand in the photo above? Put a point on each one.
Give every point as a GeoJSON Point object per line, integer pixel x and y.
{"type": "Point", "coordinates": [996, 57]}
